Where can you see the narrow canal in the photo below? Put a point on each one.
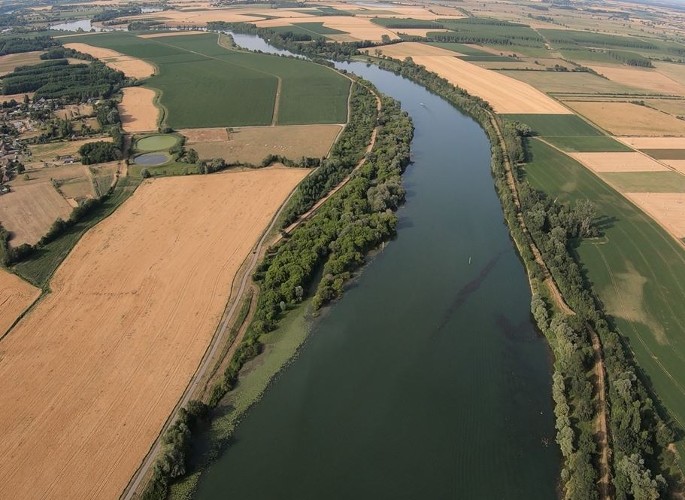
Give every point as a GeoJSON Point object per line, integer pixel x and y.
{"type": "Point", "coordinates": [428, 379]}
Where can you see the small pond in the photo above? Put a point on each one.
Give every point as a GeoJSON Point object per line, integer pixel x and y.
{"type": "Point", "coordinates": [151, 159]}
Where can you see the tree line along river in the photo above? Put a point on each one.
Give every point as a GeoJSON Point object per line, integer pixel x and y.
{"type": "Point", "coordinates": [428, 379]}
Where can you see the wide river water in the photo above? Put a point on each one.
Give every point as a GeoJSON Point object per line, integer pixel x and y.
{"type": "Point", "coordinates": [428, 379]}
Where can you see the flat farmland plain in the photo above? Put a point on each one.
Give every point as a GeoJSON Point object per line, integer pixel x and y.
{"type": "Point", "coordinates": [91, 374]}
{"type": "Point", "coordinates": [625, 118]}
{"type": "Point", "coordinates": [253, 144]}
{"type": "Point", "coordinates": [10, 61]}
{"type": "Point", "coordinates": [16, 295]}
{"type": "Point", "coordinates": [637, 270]}
{"type": "Point", "coordinates": [29, 210]}
{"type": "Point", "coordinates": [504, 94]}
{"type": "Point", "coordinates": [237, 88]}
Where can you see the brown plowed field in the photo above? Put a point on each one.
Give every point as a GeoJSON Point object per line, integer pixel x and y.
{"type": "Point", "coordinates": [16, 295]}
{"type": "Point", "coordinates": [91, 374]}
{"type": "Point", "coordinates": [138, 111]}
{"type": "Point", "coordinates": [130, 66]}
{"type": "Point", "coordinates": [28, 211]}
{"type": "Point", "coordinates": [506, 95]}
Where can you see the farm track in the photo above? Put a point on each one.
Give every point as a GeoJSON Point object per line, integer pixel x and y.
{"type": "Point", "coordinates": [307, 215]}
{"type": "Point", "coordinates": [601, 428]}
{"type": "Point", "coordinates": [195, 386]}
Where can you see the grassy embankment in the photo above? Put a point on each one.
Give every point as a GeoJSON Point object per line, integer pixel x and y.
{"type": "Point", "coordinates": [196, 73]}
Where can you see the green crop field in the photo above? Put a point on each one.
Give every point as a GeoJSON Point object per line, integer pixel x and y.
{"type": "Point", "coordinates": [238, 88]}
{"type": "Point", "coordinates": [637, 270]}
{"type": "Point", "coordinates": [665, 154]}
{"type": "Point", "coordinates": [557, 125]}
{"type": "Point", "coordinates": [588, 144]}
{"type": "Point", "coordinates": [647, 182]}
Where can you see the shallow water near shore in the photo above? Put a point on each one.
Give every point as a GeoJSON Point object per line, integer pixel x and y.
{"type": "Point", "coordinates": [428, 378]}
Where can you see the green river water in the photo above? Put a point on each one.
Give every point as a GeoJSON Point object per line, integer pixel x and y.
{"type": "Point", "coordinates": [428, 379]}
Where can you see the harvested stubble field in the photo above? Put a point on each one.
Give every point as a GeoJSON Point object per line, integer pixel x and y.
{"type": "Point", "coordinates": [28, 211]}
{"type": "Point", "coordinates": [505, 94]}
{"type": "Point", "coordinates": [638, 271]}
{"type": "Point", "coordinates": [138, 111]}
{"type": "Point", "coordinates": [642, 78]}
{"type": "Point", "coordinates": [654, 143]}
{"type": "Point", "coordinates": [10, 61]}
{"type": "Point", "coordinates": [130, 66]}
{"type": "Point", "coordinates": [675, 107]}
{"type": "Point", "coordinates": [205, 85]}
{"type": "Point", "coordinates": [677, 165]}
{"type": "Point", "coordinates": [561, 83]}
{"type": "Point", "coordinates": [198, 16]}
{"type": "Point", "coordinates": [667, 208]}
{"type": "Point", "coordinates": [358, 28]}
{"type": "Point", "coordinates": [16, 295]}
{"type": "Point", "coordinates": [253, 144]}
{"type": "Point", "coordinates": [91, 374]}
{"type": "Point", "coordinates": [618, 162]}
{"type": "Point", "coordinates": [624, 118]}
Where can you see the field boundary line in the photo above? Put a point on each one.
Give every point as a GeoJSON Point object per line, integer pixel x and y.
{"type": "Point", "coordinates": [677, 240]}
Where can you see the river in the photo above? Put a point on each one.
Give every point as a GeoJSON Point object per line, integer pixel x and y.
{"type": "Point", "coordinates": [428, 378]}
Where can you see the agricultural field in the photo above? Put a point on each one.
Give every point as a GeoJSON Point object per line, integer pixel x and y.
{"type": "Point", "coordinates": [625, 118]}
{"type": "Point", "coordinates": [566, 83]}
{"type": "Point", "coordinates": [48, 153]}
{"type": "Point", "coordinates": [138, 111]}
{"type": "Point", "coordinates": [253, 144]}
{"type": "Point", "coordinates": [29, 210]}
{"type": "Point", "coordinates": [619, 162]}
{"type": "Point", "coordinates": [665, 181]}
{"type": "Point", "coordinates": [130, 66]}
{"type": "Point", "coordinates": [637, 269]}
{"type": "Point", "coordinates": [506, 95]}
{"type": "Point", "coordinates": [16, 296]}
{"type": "Point", "coordinates": [353, 28]}
{"type": "Point", "coordinates": [105, 356]}
{"type": "Point", "coordinates": [11, 61]}
{"type": "Point", "coordinates": [649, 80]}
{"type": "Point", "coordinates": [197, 66]}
